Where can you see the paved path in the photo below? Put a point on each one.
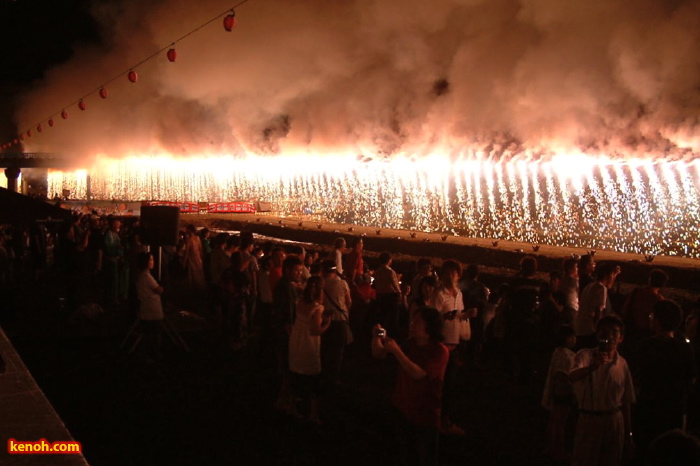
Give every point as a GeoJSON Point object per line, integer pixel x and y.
{"type": "Point", "coordinates": [26, 414]}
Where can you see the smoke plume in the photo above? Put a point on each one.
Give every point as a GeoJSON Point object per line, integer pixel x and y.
{"type": "Point", "coordinates": [382, 77]}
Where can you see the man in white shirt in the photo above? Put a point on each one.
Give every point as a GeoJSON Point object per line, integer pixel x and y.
{"type": "Point", "coordinates": [336, 304]}
{"type": "Point", "coordinates": [594, 304]}
{"type": "Point", "coordinates": [604, 392]}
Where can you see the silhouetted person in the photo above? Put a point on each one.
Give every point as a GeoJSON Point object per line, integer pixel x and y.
{"type": "Point", "coordinates": [424, 269]}
{"type": "Point", "coordinates": [338, 254]}
{"type": "Point", "coordinates": [638, 306]}
{"type": "Point", "coordinates": [386, 282]}
{"type": "Point", "coordinates": [236, 286]}
{"type": "Point", "coordinates": [558, 396]}
{"type": "Point", "coordinates": [114, 265]}
{"type": "Point", "coordinates": [310, 324]}
{"type": "Point", "coordinates": [664, 368]}
{"type": "Point", "coordinates": [354, 264]}
{"type": "Point", "coordinates": [570, 289]}
{"type": "Point", "coordinates": [150, 313]}
{"type": "Point", "coordinates": [586, 270]}
{"type": "Point", "coordinates": [522, 313]}
{"type": "Point", "coordinates": [594, 304]}
{"type": "Point", "coordinates": [284, 301]}
{"type": "Point", "coordinates": [476, 296]}
{"type": "Point", "coordinates": [337, 304]}
{"type": "Point", "coordinates": [674, 448]}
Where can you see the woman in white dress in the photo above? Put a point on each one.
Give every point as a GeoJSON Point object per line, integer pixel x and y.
{"type": "Point", "coordinates": [150, 311]}
{"type": "Point", "coordinates": [305, 346]}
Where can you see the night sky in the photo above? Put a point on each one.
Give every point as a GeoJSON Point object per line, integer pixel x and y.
{"type": "Point", "coordinates": [37, 34]}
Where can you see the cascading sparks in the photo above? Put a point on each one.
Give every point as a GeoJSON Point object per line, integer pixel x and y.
{"type": "Point", "coordinates": [632, 205]}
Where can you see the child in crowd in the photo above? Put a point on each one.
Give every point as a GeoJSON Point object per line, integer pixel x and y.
{"type": "Point", "coordinates": [558, 397]}
{"type": "Point", "coordinates": [365, 290]}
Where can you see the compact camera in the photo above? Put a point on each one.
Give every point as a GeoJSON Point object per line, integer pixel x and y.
{"type": "Point", "coordinates": [380, 332]}
{"type": "Point", "coordinates": [603, 345]}
{"type": "Point", "coordinates": [451, 315]}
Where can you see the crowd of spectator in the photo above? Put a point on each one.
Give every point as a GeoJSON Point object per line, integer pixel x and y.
{"type": "Point", "coordinates": [438, 321]}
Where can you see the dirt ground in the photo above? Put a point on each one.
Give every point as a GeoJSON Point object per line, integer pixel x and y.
{"type": "Point", "coordinates": [213, 405]}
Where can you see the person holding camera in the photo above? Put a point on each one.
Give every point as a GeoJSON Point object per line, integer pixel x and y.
{"type": "Point", "coordinates": [604, 392]}
{"type": "Point", "coordinates": [418, 396]}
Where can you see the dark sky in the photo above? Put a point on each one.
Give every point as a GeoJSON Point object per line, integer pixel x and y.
{"type": "Point", "coordinates": [37, 34]}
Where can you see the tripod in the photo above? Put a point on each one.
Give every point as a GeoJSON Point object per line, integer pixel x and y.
{"type": "Point", "coordinates": [135, 335]}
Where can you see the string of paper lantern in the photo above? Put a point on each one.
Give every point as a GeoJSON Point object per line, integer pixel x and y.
{"type": "Point", "coordinates": [229, 23]}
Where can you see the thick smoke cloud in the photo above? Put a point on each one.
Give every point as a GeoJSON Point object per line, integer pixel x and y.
{"type": "Point", "coordinates": [381, 77]}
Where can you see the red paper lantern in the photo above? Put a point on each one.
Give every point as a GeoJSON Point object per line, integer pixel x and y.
{"type": "Point", "coordinates": [132, 76]}
{"type": "Point", "coordinates": [39, 128]}
{"type": "Point", "coordinates": [51, 122]}
{"type": "Point", "coordinates": [103, 92]}
{"type": "Point", "coordinates": [81, 105]}
{"type": "Point", "coordinates": [64, 114]}
{"type": "Point", "coordinates": [172, 55]}
{"type": "Point", "coordinates": [16, 141]}
{"type": "Point", "coordinates": [230, 21]}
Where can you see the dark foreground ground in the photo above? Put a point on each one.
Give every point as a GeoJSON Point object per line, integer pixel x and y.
{"type": "Point", "coordinates": [214, 406]}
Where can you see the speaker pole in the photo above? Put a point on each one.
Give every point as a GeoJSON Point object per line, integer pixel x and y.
{"type": "Point", "coordinates": [160, 262]}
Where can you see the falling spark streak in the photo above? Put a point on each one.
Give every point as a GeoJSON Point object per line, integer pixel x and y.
{"type": "Point", "coordinates": [632, 205]}
{"type": "Point", "coordinates": [490, 186]}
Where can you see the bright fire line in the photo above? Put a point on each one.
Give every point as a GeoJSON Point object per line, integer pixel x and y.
{"type": "Point", "coordinates": [631, 205]}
